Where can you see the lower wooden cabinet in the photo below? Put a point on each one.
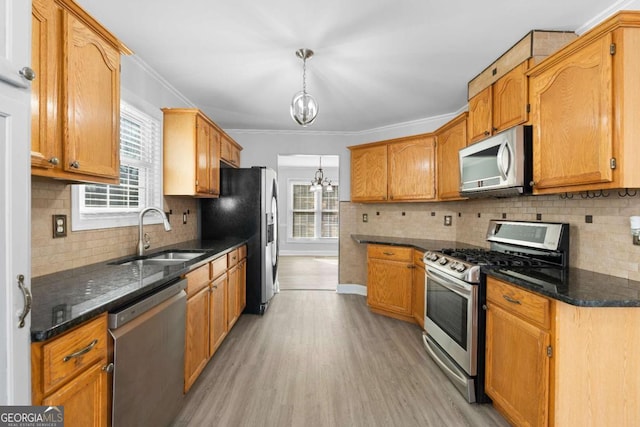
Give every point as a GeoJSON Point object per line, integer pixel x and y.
{"type": "Point", "coordinates": [232, 297]}
{"type": "Point", "coordinates": [196, 352]}
{"type": "Point", "coordinates": [517, 359]}
{"type": "Point", "coordinates": [70, 370]}
{"type": "Point", "coordinates": [390, 280]}
{"type": "Point", "coordinates": [242, 284]}
{"type": "Point", "coordinates": [217, 313]}
{"type": "Point", "coordinates": [418, 287]}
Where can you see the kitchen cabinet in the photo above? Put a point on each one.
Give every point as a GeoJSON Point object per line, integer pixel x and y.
{"type": "Point", "coordinates": [450, 138]}
{"type": "Point", "coordinates": [369, 173]}
{"type": "Point", "coordinates": [76, 95]}
{"type": "Point", "coordinates": [517, 355]}
{"type": "Point", "coordinates": [499, 106]}
{"type": "Point", "coordinates": [71, 370]}
{"type": "Point", "coordinates": [191, 154]}
{"type": "Point", "coordinates": [552, 363]}
{"type": "Point", "coordinates": [584, 102]}
{"type": "Point", "coordinates": [242, 279]}
{"type": "Point", "coordinates": [390, 280]}
{"type": "Point", "coordinates": [232, 298]}
{"type": "Point", "coordinates": [218, 313]}
{"type": "Point", "coordinates": [397, 170]}
{"type": "Point", "coordinates": [196, 351]}
{"type": "Point", "coordinates": [230, 151]}
{"type": "Point", "coordinates": [418, 287]}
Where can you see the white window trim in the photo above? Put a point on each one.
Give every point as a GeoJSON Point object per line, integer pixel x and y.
{"type": "Point", "coordinates": [98, 221]}
{"type": "Point", "coordinates": [290, 238]}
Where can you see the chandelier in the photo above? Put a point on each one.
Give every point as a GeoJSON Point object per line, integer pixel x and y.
{"type": "Point", "coordinates": [319, 181]}
{"type": "Point", "coordinates": [304, 107]}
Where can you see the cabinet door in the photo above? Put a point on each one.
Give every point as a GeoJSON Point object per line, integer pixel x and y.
{"type": "Point", "coordinates": [517, 367]}
{"type": "Point", "coordinates": [510, 99]}
{"type": "Point", "coordinates": [573, 119]}
{"type": "Point", "coordinates": [196, 352]}
{"type": "Point", "coordinates": [91, 122]}
{"type": "Point", "coordinates": [412, 169]}
{"type": "Point", "coordinates": [217, 313]}
{"type": "Point", "coordinates": [84, 398]}
{"type": "Point", "coordinates": [480, 115]}
{"type": "Point", "coordinates": [369, 174]}
{"type": "Point", "coordinates": [449, 143]}
{"type": "Point", "coordinates": [44, 88]}
{"type": "Point", "coordinates": [389, 285]}
{"type": "Point", "coordinates": [232, 297]}
{"type": "Point", "coordinates": [214, 161]}
{"type": "Point", "coordinates": [418, 289]}
{"type": "Point", "coordinates": [203, 155]}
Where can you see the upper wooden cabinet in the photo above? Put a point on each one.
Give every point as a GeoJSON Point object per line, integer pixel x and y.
{"type": "Point", "coordinates": [412, 164]}
{"type": "Point", "coordinates": [230, 151]}
{"type": "Point", "coordinates": [191, 153]}
{"type": "Point", "coordinates": [76, 95]}
{"type": "Point", "coordinates": [499, 106]}
{"type": "Point", "coordinates": [450, 138]}
{"type": "Point", "coordinates": [397, 170]}
{"type": "Point", "coordinates": [585, 100]}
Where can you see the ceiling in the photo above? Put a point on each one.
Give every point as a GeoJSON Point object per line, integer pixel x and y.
{"type": "Point", "coordinates": [377, 62]}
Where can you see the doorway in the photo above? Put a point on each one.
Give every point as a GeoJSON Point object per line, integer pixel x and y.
{"type": "Point", "coordinates": [309, 218]}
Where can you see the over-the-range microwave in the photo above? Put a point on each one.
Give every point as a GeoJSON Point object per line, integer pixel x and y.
{"type": "Point", "coordinates": [498, 166]}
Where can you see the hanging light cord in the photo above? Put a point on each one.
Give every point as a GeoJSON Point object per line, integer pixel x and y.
{"type": "Point", "coordinates": [304, 74]}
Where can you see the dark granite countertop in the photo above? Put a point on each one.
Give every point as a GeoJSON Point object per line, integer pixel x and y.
{"type": "Point", "coordinates": [421, 244]}
{"type": "Point", "coordinates": [573, 286]}
{"type": "Point", "coordinates": [66, 299]}
{"type": "Point", "coordinates": [576, 287]}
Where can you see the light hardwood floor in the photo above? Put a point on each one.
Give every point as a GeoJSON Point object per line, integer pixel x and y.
{"type": "Point", "coordinates": [307, 272]}
{"type": "Point", "coordinates": [319, 358]}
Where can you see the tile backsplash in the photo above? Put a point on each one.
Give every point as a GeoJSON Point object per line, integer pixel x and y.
{"type": "Point", "coordinates": [79, 248]}
{"type": "Point", "coordinates": [603, 245]}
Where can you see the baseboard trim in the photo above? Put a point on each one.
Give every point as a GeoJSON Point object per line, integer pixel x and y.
{"type": "Point", "coordinates": [351, 289]}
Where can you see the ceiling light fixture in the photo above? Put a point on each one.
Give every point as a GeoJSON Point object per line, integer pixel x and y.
{"type": "Point", "coordinates": [319, 181]}
{"type": "Point", "coordinates": [304, 107]}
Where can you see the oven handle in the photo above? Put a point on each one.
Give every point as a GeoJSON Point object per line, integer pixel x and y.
{"type": "Point", "coordinates": [437, 359]}
{"type": "Point", "coordinates": [448, 282]}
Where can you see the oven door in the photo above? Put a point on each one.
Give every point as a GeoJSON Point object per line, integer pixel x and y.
{"type": "Point", "coordinates": [451, 318]}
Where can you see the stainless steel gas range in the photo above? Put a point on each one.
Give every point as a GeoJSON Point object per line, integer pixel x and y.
{"type": "Point", "coordinates": [455, 292]}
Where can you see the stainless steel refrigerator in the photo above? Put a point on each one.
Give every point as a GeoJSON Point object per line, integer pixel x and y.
{"type": "Point", "coordinates": [248, 208]}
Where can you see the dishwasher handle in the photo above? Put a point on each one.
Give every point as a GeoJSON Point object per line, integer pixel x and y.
{"type": "Point", "coordinates": [127, 314]}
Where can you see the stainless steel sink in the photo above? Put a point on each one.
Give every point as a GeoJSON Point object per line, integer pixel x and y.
{"type": "Point", "coordinates": [165, 258]}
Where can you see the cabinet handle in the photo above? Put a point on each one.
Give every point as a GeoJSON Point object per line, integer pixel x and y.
{"type": "Point", "coordinates": [54, 161]}
{"type": "Point", "coordinates": [511, 300]}
{"type": "Point", "coordinates": [75, 164]}
{"type": "Point", "coordinates": [26, 294]}
{"type": "Point", "coordinates": [27, 73]}
{"type": "Point", "coordinates": [388, 253]}
{"type": "Point", "coordinates": [487, 133]}
{"type": "Point", "coordinates": [81, 352]}
{"type": "Point", "coordinates": [411, 266]}
{"type": "Point", "coordinates": [495, 129]}
{"type": "Point", "coordinates": [108, 368]}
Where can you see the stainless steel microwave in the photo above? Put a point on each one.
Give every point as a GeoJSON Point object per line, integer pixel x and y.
{"type": "Point", "coordinates": [498, 166]}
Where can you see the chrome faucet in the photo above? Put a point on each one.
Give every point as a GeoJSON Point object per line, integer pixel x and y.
{"type": "Point", "coordinates": [142, 242]}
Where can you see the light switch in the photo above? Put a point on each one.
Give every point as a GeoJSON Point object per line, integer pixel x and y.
{"type": "Point", "coordinates": [59, 226]}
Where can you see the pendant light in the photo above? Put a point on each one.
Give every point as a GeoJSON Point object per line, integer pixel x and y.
{"type": "Point", "coordinates": [304, 107]}
{"type": "Point", "coordinates": [320, 181]}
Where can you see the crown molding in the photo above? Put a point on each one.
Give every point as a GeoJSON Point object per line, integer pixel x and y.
{"type": "Point", "coordinates": [615, 7]}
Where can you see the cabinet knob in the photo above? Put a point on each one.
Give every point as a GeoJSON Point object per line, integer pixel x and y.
{"type": "Point", "coordinates": [487, 133]}
{"type": "Point", "coordinates": [27, 73]}
{"type": "Point", "coordinates": [54, 161]}
{"type": "Point", "coordinates": [495, 129]}
{"type": "Point", "coordinates": [108, 368]}
{"type": "Point", "coordinates": [75, 164]}
{"type": "Point", "coordinates": [532, 183]}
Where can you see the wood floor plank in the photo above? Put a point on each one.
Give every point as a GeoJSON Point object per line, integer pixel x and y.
{"type": "Point", "coordinates": [307, 273]}
{"type": "Point", "coordinates": [318, 358]}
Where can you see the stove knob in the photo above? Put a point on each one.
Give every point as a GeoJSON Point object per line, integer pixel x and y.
{"type": "Point", "coordinates": [431, 256]}
{"type": "Point", "coordinates": [443, 261]}
{"type": "Point", "coordinates": [454, 265]}
{"type": "Point", "coordinates": [460, 268]}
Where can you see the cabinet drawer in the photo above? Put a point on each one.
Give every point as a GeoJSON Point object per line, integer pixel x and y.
{"type": "Point", "coordinates": [68, 355]}
{"type": "Point", "coordinates": [527, 305]}
{"type": "Point", "coordinates": [197, 279]}
{"type": "Point", "coordinates": [395, 253]}
{"type": "Point", "coordinates": [232, 258]}
{"type": "Point", "coordinates": [218, 267]}
{"type": "Point", "coordinates": [242, 252]}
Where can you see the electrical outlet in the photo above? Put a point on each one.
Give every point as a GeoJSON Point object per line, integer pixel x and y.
{"type": "Point", "coordinates": [59, 226]}
{"type": "Point", "coordinates": [365, 218]}
{"type": "Point", "coordinates": [447, 220]}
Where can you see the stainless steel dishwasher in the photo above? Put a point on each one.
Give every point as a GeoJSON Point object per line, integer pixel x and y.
{"type": "Point", "coordinates": [148, 357]}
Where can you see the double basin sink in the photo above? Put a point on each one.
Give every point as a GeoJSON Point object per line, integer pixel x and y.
{"type": "Point", "coordinates": [163, 258]}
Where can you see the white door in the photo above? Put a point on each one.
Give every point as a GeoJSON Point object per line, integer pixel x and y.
{"type": "Point", "coordinates": [15, 200]}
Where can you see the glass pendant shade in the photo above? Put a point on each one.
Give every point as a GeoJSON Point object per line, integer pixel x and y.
{"type": "Point", "coordinates": [304, 108]}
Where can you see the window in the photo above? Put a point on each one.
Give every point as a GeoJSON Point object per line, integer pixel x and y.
{"type": "Point", "coordinates": [106, 206]}
{"type": "Point", "coordinates": [314, 214]}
